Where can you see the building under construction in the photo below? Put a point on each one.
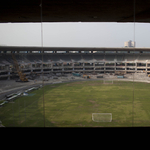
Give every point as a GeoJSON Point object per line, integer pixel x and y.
{"type": "Point", "coordinates": [66, 63]}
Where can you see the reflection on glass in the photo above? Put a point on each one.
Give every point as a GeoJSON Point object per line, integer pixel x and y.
{"type": "Point", "coordinates": [72, 71]}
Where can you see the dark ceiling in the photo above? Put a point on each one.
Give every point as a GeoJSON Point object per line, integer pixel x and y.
{"type": "Point", "coordinates": [74, 11]}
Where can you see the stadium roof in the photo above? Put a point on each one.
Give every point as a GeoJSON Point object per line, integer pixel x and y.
{"type": "Point", "coordinates": [19, 48]}
{"type": "Point", "coordinates": [74, 11]}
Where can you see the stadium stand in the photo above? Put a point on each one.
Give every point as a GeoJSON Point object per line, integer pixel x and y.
{"type": "Point", "coordinates": [120, 57]}
{"type": "Point", "coordinates": [99, 57]}
{"type": "Point", "coordinates": [109, 57]}
{"type": "Point", "coordinates": [87, 58]}
{"type": "Point", "coordinates": [65, 58]}
{"type": "Point", "coordinates": [129, 57]}
{"type": "Point", "coordinates": [143, 57]}
{"type": "Point", "coordinates": [68, 62]}
{"type": "Point", "coordinates": [76, 57]}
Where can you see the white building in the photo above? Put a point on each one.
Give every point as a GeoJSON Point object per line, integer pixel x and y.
{"type": "Point", "coordinates": [129, 44]}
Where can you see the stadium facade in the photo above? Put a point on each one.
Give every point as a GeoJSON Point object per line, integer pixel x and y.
{"type": "Point", "coordinates": [123, 60]}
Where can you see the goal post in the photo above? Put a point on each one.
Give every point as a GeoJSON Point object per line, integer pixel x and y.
{"type": "Point", "coordinates": [108, 82]}
{"type": "Point", "coordinates": [102, 117]}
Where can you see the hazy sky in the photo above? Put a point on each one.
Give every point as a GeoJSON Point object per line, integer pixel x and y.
{"type": "Point", "coordinates": [74, 34]}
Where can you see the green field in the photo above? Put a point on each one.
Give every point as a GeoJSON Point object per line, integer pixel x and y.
{"type": "Point", "coordinates": [72, 105]}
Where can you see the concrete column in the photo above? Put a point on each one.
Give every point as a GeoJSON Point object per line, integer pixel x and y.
{"type": "Point", "coordinates": [8, 68]}
{"type": "Point", "coordinates": [125, 67]}
{"type": "Point", "coordinates": [104, 65]}
{"type": "Point", "coordinates": [41, 70]}
{"type": "Point", "coordinates": [8, 76]}
{"type": "Point", "coordinates": [94, 66]}
{"type": "Point", "coordinates": [51, 67]}
{"type": "Point", "coordinates": [115, 66]}
{"type": "Point", "coordinates": [62, 65]}
{"type": "Point", "coordinates": [83, 66]}
{"type": "Point", "coordinates": [41, 66]}
{"type": "Point", "coordinates": [135, 66]}
{"type": "Point", "coordinates": [73, 66]}
{"type": "Point", "coordinates": [31, 68]}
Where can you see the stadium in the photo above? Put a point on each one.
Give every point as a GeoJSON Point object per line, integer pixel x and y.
{"type": "Point", "coordinates": [80, 83]}
{"type": "Point", "coordinates": [122, 60]}
{"type": "Point", "coordinates": [83, 87]}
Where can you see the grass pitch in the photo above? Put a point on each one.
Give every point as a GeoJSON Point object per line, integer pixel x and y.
{"type": "Point", "coordinates": [72, 105]}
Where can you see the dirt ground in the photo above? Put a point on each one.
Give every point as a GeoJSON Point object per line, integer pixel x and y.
{"type": "Point", "coordinates": [9, 85]}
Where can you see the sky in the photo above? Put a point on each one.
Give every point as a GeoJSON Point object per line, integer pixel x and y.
{"type": "Point", "coordinates": [74, 34]}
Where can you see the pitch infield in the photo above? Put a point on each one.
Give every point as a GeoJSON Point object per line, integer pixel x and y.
{"type": "Point", "coordinates": [72, 105]}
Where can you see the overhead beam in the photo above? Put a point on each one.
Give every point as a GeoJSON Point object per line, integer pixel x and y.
{"type": "Point", "coordinates": [74, 11]}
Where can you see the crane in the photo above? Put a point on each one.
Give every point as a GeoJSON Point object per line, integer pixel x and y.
{"type": "Point", "coordinates": [22, 76]}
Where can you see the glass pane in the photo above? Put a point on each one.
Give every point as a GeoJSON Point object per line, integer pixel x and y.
{"type": "Point", "coordinates": [66, 87]}
{"type": "Point", "coordinates": [20, 75]}
{"type": "Point", "coordinates": [141, 103]}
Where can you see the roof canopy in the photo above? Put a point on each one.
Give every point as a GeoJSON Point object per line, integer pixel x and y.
{"type": "Point", "coordinates": [19, 48]}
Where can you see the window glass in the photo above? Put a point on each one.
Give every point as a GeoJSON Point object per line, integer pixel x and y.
{"type": "Point", "coordinates": [79, 74]}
